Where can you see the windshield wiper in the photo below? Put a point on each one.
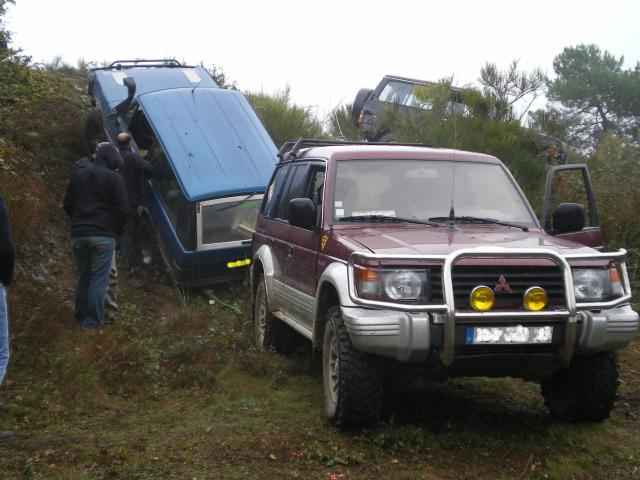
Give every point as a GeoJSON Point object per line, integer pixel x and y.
{"type": "Point", "coordinates": [386, 218]}
{"type": "Point", "coordinates": [470, 219]}
{"type": "Point", "coordinates": [235, 204]}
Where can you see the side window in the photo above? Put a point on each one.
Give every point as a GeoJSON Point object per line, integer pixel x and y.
{"type": "Point", "coordinates": [315, 189]}
{"type": "Point", "coordinates": [141, 130]}
{"type": "Point", "coordinates": [128, 116]}
{"type": "Point", "coordinates": [165, 181]}
{"type": "Point", "coordinates": [398, 92]}
{"type": "Point", "coordinates": [570, 185]}
{"type": "Point", "coordinates": [295, 189]}
{"type": "Point", "coordinates": [274, 191]}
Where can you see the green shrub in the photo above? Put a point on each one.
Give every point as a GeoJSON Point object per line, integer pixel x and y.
{"type": "Point", "coordinates": [283, 119]}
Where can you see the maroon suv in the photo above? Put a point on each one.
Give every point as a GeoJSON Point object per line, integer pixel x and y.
{"type": "Point", "coordinates": [404, 261]}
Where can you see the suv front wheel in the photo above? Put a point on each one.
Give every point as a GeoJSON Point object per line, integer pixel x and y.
{"type": "Point", "coordinates": [353, 380]}
{"type": "Point", "coordinates": [586, 391]}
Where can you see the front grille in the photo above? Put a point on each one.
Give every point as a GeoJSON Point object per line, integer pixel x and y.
{"type": "Point", "coordinates": [519, 278]}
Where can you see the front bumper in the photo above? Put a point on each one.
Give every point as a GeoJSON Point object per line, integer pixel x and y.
{"type": "Point", "coordinates": [584, 326]}
{"type": "Point", "coordinates": [411, 336]}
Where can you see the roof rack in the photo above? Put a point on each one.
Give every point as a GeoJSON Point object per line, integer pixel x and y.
{"type": "Point", "coordinates": [292, 148]}
{"type": "Point", "coordinates": [140, 62]}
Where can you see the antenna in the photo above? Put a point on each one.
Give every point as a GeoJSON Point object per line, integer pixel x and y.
{"type": "Point", "coordinates": [451, 222]}
{"type": "Point", "coordinates": [335, 115]}
{"type": "Point", "coordinates": [452, 213]}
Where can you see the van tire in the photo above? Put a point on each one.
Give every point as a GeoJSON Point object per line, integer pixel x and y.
{"type": "Point", "coordinates": [353, 380]}
{"type": "Point", "coordinates": [586, 391]}
{"type": "Point", "coordinates": [150, 254]}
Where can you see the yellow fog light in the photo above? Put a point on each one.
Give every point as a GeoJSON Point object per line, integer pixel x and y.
{"type": "Point", "coordinates": [239, 263]}
{"type": "Point", "coordinates": [535, 298]}
{"type": "Point", "coordinates": [482, 298]}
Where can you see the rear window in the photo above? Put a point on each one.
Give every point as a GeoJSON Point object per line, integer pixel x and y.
{"type": "Point", "coordinates": [230, 219]}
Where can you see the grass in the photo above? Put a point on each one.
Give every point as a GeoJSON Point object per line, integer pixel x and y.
{"type": "Point", "coordinates": [174, 389]}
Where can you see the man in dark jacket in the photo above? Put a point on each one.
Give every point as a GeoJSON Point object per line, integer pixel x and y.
{"type": "Point", "coordinates": [134, 169]}
{"type": "Point", "coordinates": [7, 260]}
{"type": "Point", "coordinates": [96, 201]}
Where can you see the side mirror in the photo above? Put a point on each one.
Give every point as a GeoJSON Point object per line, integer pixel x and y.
{"type": "Point", "coordinates": [568, 217]}
{"type": "Point", "coordinates": [302, 213]}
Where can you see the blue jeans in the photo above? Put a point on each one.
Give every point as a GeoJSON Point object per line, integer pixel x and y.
{"type": "Point", "coordinates": [4, 333]}
{"type": "Point", "coordinates": [93, 256]}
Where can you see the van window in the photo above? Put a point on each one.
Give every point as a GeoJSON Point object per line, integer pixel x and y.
{"type": "Point", "coordinates": [141, 130]}
{"type": "Point", "coordinates": [128, 117]}
{"type": "Point", "coordinates": [229, 219]}
{"type": "Point", "coordinates": [165, 181]}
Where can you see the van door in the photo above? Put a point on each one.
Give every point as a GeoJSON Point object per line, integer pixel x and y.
{"type": "Point", "coordinates": [568, 191]}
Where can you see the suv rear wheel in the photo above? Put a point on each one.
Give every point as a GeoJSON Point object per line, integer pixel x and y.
{"type": "Point", "coordinates": [586, 391]}
{"type": "Point", "coordinates": [353, 380]}
{"type": "Point", "coordinates": [268, 331]}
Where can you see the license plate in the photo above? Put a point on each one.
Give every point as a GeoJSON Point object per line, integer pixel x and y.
{"type": "Point", "coordinates": [508, 335]}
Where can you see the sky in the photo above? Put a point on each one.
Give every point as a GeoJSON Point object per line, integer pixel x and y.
{"type": "Point", "coordinates": [326, 51]}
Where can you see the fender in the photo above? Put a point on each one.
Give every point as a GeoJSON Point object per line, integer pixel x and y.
{"type": "Point", "coordinates": [264, 256]}
{"type": "Point", "coordinates": [335, 276]}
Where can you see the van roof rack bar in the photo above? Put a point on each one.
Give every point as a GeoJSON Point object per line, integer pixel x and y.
{"type": "Point", "coordinates": [141, 62]}
{"type": "Point", "coordinates": [294, 147]}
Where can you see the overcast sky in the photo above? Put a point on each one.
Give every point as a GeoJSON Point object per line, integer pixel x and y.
{"type": "Point", "coordinates": [326, 50]}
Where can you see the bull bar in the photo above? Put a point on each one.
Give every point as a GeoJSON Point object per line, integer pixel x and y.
{"type": "Point", "coordinates": [569, 313]}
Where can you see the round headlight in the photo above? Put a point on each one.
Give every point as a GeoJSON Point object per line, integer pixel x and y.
{"type": "Point", "coordinates": [482, 298]}
{"type": "Point", "coordinates": [535, 298]}
{"type": "Point", "coordinates": [403, 285]}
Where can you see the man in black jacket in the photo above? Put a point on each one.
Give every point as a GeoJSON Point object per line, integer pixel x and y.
{"type": "Point", "coordinates": [7, 260]}
{"type": "Point", "coordinates": [96, 201]}
{"type": "Point", "coordinates": [134, 169]}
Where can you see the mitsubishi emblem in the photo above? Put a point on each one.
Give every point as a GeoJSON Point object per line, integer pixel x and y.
{"type": "Point", "coordinates": [503, 285]}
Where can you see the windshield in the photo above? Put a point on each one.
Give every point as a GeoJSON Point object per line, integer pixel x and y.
{"type": "Point", "coordinates": [422, 189]}
{"type": "Point", "coordinates": [229, 219]}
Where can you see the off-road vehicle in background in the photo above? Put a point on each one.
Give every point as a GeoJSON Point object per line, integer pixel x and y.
{"type": "Point", "coordinates": [399, 94]}
{"type": "Point", "coordinates": [394, 92]}
{"type": "Point", "coordinates": [402, 262]}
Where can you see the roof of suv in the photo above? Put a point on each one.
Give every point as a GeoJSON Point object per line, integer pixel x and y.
{"type": "Point", "coordinates": [391, 151]}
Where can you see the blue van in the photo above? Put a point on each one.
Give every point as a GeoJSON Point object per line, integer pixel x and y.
{"type": "Point", "coordinates": [212, 160]}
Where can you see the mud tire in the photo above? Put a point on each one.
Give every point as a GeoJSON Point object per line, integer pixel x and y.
{"type": "Point", "coordinates": [353, 380]}
{"type": "Point", "coordinates": [586, 392]}
{"type": "Point", "coordinates": [268, 331]}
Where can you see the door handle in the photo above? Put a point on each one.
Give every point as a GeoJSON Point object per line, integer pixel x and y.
{"type": "Point", "coordinates": [290, 249]}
